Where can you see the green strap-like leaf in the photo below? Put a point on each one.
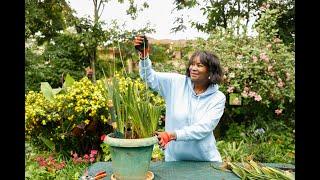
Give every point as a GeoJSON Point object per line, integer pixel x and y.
{"type": "Point", "coordinates": [48, 143]}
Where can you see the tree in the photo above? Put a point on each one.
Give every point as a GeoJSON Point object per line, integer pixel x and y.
{"type": "Point", "coordinates": [227, 13]}
{"type": "Point", "coordinates": [221, 13]}
{"type": "Point", "coordinates": [47, 17]}
{"type": "Point", "coordinates": [97, 33]}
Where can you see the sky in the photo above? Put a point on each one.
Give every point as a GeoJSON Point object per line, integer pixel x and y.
{"type": "Point", "coordinates": [158, 15]}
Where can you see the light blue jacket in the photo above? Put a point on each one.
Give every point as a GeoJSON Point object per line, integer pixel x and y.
{"type": "Point", "coordinates": [192, 117]}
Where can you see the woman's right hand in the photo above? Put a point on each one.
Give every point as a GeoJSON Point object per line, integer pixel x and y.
{"type": "Point", "coordinates": [144, 51]}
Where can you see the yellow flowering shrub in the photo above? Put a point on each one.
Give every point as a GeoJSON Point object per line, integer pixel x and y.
{"type": "Point", "coordinates": [79, 112]}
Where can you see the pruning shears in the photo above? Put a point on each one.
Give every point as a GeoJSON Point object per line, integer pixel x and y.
{"type": "Point", "coordinates": [99, 175]}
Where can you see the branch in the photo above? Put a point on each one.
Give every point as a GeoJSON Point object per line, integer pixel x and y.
{"type": "Point", "coordinates": [101, 12]}
{"type": "Point", "coordinates": [101, 2]}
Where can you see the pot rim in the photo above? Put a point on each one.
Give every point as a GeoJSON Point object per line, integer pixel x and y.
{"type": "Point", "coordinates": [142, 142]}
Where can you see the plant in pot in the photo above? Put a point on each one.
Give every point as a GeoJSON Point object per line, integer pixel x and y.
{"type": "Point", "coordinates": [135, 120]}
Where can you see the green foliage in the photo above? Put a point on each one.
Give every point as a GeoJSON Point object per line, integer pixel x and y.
{"type": "Point", "coordinates": [175, 66]}
{"type": "Point", "coordinates": [271, 142]}
{"type": "Point", "coordinates": [159, 53]}
{"type": "Point", "coordinates": [223, 14]}
{"type": "Point", "coordinates": [267, 24]}
{"type": "Point", "coordinates": [278, 19]}
{"type": "Point", "coordinates": [106, 155]}
{"type": "Point", "coordinates": [232, 150]}
{"type": "Point", "coordinates": [63, 55]}
{"type": "Point", "coordinates": [251, 170]}
{"type": "Point", "coordinates": [276, 16]}
{"type": "Point", "coordinates": [135, 112]}
{"type": "Point", "coordinates": [47, 17]}
{"type": "Point", "coordinates": [79, 110]}
{"type": "Point", "coordinates": [157, 153]}
{"type": "Point", "coordinates": [44, 165]}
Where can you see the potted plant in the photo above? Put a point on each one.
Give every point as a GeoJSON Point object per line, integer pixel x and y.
{"type": "Point", "coordinates": [134, 119]}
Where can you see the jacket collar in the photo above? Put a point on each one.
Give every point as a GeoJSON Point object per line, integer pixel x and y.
{"type": "Point", "coordinates": [210, 90]}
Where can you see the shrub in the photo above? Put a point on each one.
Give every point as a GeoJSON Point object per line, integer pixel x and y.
{"type": "Point", "coordinates": [75, 117]}
{"type": "Point", "coordinates": [271, 142]}
{"type": "Point", "coordinates": [260, 72]}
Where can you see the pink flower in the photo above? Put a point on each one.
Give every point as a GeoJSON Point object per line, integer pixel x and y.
{"type": "Point", "coordinates": [251, 94]}
{"type": "Point", "coordinates": [239, 65]}
{"type": "Point", "coordinates": [280, 84]}
{"type": "Point", "coordinates": [287, 76]}
{"type": "Point", "coordinates": [91, 155]}
{"type": "Point", "coordinates": [264, 6]}
{"type": "Point", "coordinates": [244, 94]}
{"type": "Point", "coordinates": [43, 163]}
{"type": "Point", "coordinates": [50, 158]}
{"type": "Point", "coordinates": [264, 57]}
{"type": "Point", "coordinates": [254, 58]}
{"type": "Point", "coordinates": [246, 89]}
{"type": "Point", "coordinates": [269, 46]}
{"type": "Point", "coordinates": [75, 155]}
{"type": "Point", "coordinates": [230, 89]}
{"type": "Point", "coordinates": [94, 152]}
{"type": "Point", "coordinates": [91, 159]}
{"type": "Point", "coordinates": [86, 156]}
{"type": "Point", "coordinates": [257, 98]}
{"type": "Point", "coordinates": [103, 137]}
{"type": "Point", "coordinates": [278, 111]}
{"type": "Point", "coordinates": [39, 158]}
{"type": "Point", "coordinates": [276, 40]}
{"type": "Point", "coordinates": [226, 69]}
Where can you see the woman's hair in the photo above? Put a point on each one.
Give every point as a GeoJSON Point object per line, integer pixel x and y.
{"type": "Point", "coordinates": [212, 62]}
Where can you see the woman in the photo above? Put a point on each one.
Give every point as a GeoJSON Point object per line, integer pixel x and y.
{"type": "Point", "coordinates": [194, 105]}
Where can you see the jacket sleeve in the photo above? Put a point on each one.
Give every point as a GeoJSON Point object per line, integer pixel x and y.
{"type": "Point", "coordinates": [205, 126]}
{"type": "Point", "coordinates": [158, 81]}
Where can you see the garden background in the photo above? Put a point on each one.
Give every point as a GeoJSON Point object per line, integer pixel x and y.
{"type": "Point", "coordinates": [68, 58]}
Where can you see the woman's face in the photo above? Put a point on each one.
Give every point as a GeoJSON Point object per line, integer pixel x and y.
{"type": "Point", "coordinates": [198, 71]}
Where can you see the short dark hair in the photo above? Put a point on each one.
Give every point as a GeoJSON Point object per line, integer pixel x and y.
{"type": "Point", "coordinates": [212, 62]}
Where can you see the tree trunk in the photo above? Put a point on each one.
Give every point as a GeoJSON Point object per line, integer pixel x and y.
{"type": "Point", "coordinates": [129, 65]}
{"type": "Point", "coordinates": [94, 53]}
{"type": "Point", "coordinates": [93, 61]}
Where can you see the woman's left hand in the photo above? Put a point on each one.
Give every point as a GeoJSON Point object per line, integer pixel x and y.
{"type": "Point", "coordinates": [164, 138]}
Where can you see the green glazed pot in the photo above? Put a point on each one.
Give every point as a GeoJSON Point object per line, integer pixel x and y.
{"type": "Point", "coordinates": [130, 157]}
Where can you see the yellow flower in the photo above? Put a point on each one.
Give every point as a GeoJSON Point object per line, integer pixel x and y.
{"type": "Point", "coordinates": [109, 103]}
{"type": "Point", "coordinates": [71, 117]}
{"type": "Point", "coordinates": [43, 122]}
{"type": "Point", "coordinates": [87, 121]}
{"type": "Point", "coordinates": [114, 125]}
